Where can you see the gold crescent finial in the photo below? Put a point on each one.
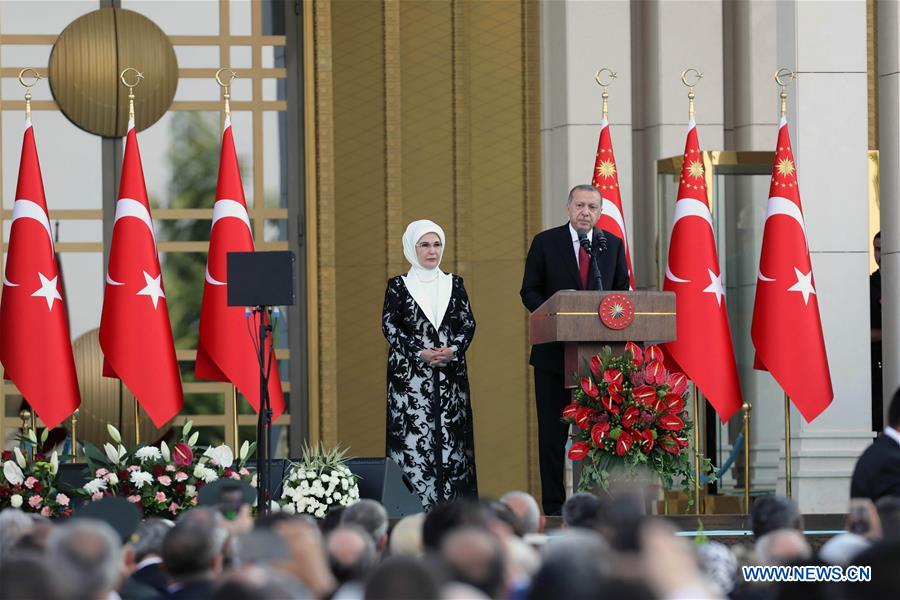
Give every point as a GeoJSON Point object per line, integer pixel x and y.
{"type": "Point", "coordinates": [598, 77]}
{"type": "Point", "coordinates": [230, 75]}
{"type": "Point", "coordinates": [690, 86]}
{"type": "Point", "coordinates": [37, 77]}
{"type": "Point", "coordinates": [778, 75]}
{"type": "Point", "coordinates": [138, 77]}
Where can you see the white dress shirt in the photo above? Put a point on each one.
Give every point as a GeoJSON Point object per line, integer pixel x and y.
{"type": "Point", "coordinates": [892, 433]}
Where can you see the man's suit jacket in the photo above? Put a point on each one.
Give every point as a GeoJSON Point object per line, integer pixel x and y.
{"type": "Point", "coordinates": [551, 266]}
{"type": "Point", "coordinates": [877, 472]}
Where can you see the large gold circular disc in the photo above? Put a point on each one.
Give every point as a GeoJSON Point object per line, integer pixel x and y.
{"type": "Point", "coordinates": [105, 400]}
{"type": "Point", "coordinates": [87, 59]}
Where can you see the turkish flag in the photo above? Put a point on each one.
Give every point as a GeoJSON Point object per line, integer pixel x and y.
{"type": "Point", "coordinates": [606, 179]}
{"type": "Point", "coordinates": [135, 333]}
{"type": "Point", "coordinates": [787, 330]}
{"type": "Point", "coordinates": [35, 348]}
{"type": "Point", "coordinates": [226, 351]}
{"type": "Point", "coordinates": [703, 348]}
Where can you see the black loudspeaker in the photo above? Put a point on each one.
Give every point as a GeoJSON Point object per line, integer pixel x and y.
{"type": "Point", "coordinates": [381, 479]}
{"type": "Point", "coordinates": [72, 476]}
{"type": "Point", "coordinates": [260, 278]}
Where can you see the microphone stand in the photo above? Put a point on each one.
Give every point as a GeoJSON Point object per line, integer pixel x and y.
{"type": "Point", "coordinates": [594, 268]}
{"type": "Point", "coordinates": [264, 423]}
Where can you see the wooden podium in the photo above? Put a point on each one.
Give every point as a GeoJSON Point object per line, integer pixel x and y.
{"type": "Point", "coordinates": [572, 317]}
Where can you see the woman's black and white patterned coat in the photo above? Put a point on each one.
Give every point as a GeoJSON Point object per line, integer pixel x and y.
{"type": "Point", "coordinates": [429, 417]}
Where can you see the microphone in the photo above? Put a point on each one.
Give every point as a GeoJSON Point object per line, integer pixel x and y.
{"type": "Point", "coordinates": [584, 241]}
{"type": "Point", "coordinates": [601, 241]}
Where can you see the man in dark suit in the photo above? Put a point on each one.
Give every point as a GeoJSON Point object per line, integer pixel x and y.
{"type": "Point", "coordinates": [558, 261]}
{"type": "Point", "coordinates": [877, 472]}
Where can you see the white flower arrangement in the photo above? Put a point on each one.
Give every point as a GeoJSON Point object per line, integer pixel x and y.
{"type": "Point", "coordinates": [148, 453]}
{"type": "Point", "coordinates": [317, 482]}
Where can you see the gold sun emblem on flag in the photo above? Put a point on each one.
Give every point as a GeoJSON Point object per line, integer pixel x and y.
{"type": "Point", "coordinates": [785, 167]}
{"type": "Point", "coordinates": [695, 169]}
{"type": "Point", "coordinates": [606, 169]}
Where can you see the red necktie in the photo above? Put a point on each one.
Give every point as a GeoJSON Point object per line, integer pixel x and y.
{"type": "Point", "coordinates": [584, 260]}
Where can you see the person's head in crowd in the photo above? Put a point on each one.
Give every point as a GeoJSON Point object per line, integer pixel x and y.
{"type": "Point", "coordinates": [455, 590]}
{"type": "Point", "coordinates": [876, 248]}
{"type": "Point", "coordinates": [27, 576]}
{"type": "Point", "coordinates": [258, 583]}
{"type": "Point", "coordinates": [307, 561]}
{"type": "Point", "coordinates": [581, 510]}
{"type": "Point", "coordinates": [573, 564]}
{"type": "Point", "coordinates": [842, 548]}
{"type": "Point", "coordinates": [261, 546]}
{"type": "Point", "coordinates": [448, 516]}
{"type": "Point", "coordinates": [146, 543]}
{"type": "Point", "coordinates": [782, 546]}
{"type": "Point", "coordinates": [331, 519]}
{"type": "Point", "coordinates": [372, 517]}
{"type": "Point", "coordinates": [719, 564]}
{"type": "Point", "coordinates": [402, 578]}
{"type": "Point", "coordinates": [35, 539]}
{"type": "Point", "coordinates": [86, 554]}
{"type": "Point", "coordinates": [774, 512]}
{"type": "Point", "coordinates": [522, 562]}
{"type": "Point", "coordinates": [888, 508]}
{"type": "Point", "coordinates": [475, 557]}
{"type": "Point", "coordinates": [406, 537]}
{"type": "Point", "coordinates": [13, 523]}
{"type": "Point", "coordinates": [193, 550]}
{"type": "Point", "coordinates": [526, 509]}
{"type": "Point", "coordinates": [501, 520]}
{"type": "Point", "coordinates": [351, 553]}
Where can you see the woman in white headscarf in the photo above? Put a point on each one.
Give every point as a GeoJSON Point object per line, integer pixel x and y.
{"type": "Point", "coordinates": [429, 325]}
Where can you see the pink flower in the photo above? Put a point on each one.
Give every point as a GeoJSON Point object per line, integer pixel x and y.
{"type": "Point", "coordinates": [244, 472]}
{"type": "Point", "coordinates": [164, 480]}
{"type": "Point", "coordinates": [173, 508]}
{"type": "Point", "coordinates": [100, 473]}
{"type": "Point", "coordinates": [133, 468]}
{"type": "Point", "coordinates": [29, 483]}
{"type": "Point", "coordinates": [170, 468]}
{"type": "Point", "coordinates": [160, 497]}
{"type": "Point", "coordinates": [45, 512]}
{"type": "Point", "coordinates": [62, 499]}
{"type": "Point", "coordinates": [96, 496]}
{"type": "Point", "coordinates": [235, 476]}
{"type": "Point", "coordinates": [134, 499]}
{"type": "Point", "coordinates": [180, 476]}
{"type": "Point", "coordinates": [194, 501]}
{"type": "Point", "coordinates": [182, 454]}
{"type": "Point", "coordinates": [35, 501]}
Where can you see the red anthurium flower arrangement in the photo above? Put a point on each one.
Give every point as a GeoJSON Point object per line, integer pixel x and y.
{"type": "Point", "coordinates": [629, 412]}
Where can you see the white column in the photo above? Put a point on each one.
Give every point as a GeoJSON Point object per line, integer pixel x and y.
{"type": "Point", "coordinates": [889, 150]}
{"type": "Point", "coordinates": [752, 124]}
{"type": "Point", "coordinates": [577, 39]}
{"type": "Point", "coordinates": [828, 115]}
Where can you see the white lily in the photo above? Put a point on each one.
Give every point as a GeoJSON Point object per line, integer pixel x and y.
{"type": "Point", "coordinates": [164, 448]}
{"type": "Point", "coordinates": [54, 462]}
{"type": "Point", "coordinates": [221, 455]}
{"type": "Point", "coordinates": [20, 458]}
{"type": "Point", "coordinates": [193, 439]}
{"type": "Point", "coordinates": [186, 429]}
{"type": "Point", "coordinates": [111, 453]}
{"type": "Point", "coordinates": [13, 473]}
{"type": "Point", "coordinates": [114, 433]}
{"type": "Point", "coordinates": [245, 450]}
{"type": "Point", "coordinates": [32, 436]}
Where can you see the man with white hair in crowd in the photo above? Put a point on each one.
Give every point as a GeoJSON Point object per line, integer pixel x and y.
{"type": "Point", "coordinates": [406, 537]}
{"type": "Point", "coordinates": [526, 509]}
{"type": "Point", "coordinates": [782, 546]}
{"type": "Point", "coordinates": [86, 554]}
{"type": "Point", "coordinates": [193, 553]}
{"type": "Point", "coordinates": [351, 555]}
{"type": "Point", "coordinates": [370, 516]}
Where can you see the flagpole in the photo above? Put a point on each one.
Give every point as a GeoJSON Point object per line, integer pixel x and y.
{"type": "Point", "coordinates": [74, 449]}
{"type": "Point", "coordinates": [138, 77]}
{"type": "Point", "coordinates": [696, 395]}
{"type": "Point", "coordinates": [747, 406]}
{"type": "Point", "coordinates": [234, 424]}
{"type": "Point", "coordinates": [598, 77]}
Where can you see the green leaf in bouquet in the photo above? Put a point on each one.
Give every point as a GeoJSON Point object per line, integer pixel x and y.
{"type": "Point", "coordinates": [92, 453]}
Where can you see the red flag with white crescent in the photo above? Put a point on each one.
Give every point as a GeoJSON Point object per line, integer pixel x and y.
{"type": "Point", "coordinates": [606, 179]}
{"type": "Point", "coordinates": [225, 351]}
{"type": "Point", "coordinates": [35, 347]}
{"type": "Point", "coordinates": [135, 333]}
{"type": "Point", "coordinates": [787, 330]}
{"type": "Point", "coordinates": [703, 348]}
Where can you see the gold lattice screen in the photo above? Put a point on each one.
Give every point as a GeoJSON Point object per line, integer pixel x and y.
{"type": "Point", "coordinates": [426, 110]}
